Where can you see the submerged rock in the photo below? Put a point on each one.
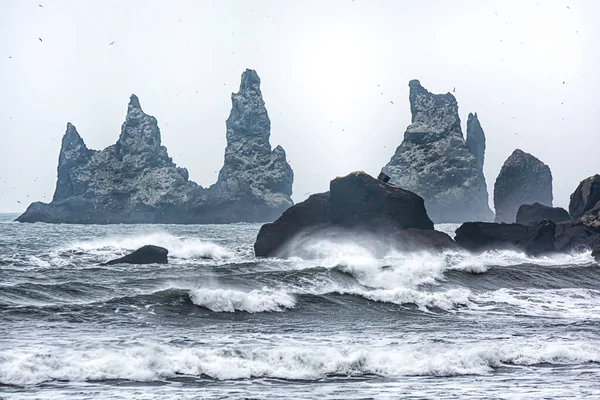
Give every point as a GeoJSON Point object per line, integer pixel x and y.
{"type": "Point", "coordinates": [357, 207]}
{"type": "Point", "coordinates": [135, 180]}
{"type": "Point", "coordinates": [148, 254]}
{"type": "Point", "coordinates": [531, 213]}
{"type": "Point", "coordinates": [586, 197]}
{"type": "Point", "coordinates": [435, 162]}
{"type": "Point", "coordinates": [523, 179]}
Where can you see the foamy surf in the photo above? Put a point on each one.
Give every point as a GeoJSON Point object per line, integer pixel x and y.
{"type": "Point", "coordinates": [179, 247]}
{"type": "Point", "coordinates": [157, 362]}
{"type": "Point", "coordinates": [231, 300]}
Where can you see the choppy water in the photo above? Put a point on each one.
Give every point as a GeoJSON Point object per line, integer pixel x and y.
{"type": "Point", "coordinates": [218, 323]}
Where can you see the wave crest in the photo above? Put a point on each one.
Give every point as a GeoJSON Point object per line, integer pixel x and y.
{"type": "Point", "coordinates": [230, 300]}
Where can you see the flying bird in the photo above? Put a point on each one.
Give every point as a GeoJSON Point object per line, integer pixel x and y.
{"type": "Point", "coordinates": [39, 5]}
{"type": "Point", "coordinates": [111, 43]}
{"type": "Point", "coordinates": [391, 102]}
{"type": "Point", "coordinates": [40, 39]}
{"type": "Point", "coordinates": [454, 90]}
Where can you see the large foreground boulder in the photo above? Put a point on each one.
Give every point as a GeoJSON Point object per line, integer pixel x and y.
{"type": "Point", "coordinates": [531, 213]}
{"type": "Point", "coordinates": [586, 197]}
{"type": "Point", "coordinates": [357, 207]}
{"type": "Point", "coordinates": [135, 180]}
{"type": "Point", "coordinates": [532, 239]}
{"type": "Point", "coordinates": [523, 179]}
{"type": "Point", "coordinates": [435, 162]}
{"type": "Point", "coordinates": [148, 254]}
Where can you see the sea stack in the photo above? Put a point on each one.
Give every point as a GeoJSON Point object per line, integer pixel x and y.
{"type": "Point", "coordinates": [523, 179]}
{"type": "Point", "coordinates": [476, 139]}
{"type": "Point", "coordinates": [255, 182]}
{"type": "Point", "coordinates": [436, 162]}
{"type": "Point", "coordinates": [135, 180]}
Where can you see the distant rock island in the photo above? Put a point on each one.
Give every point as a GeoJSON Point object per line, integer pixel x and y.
{"type": "Point", "coordinates": [436, 162]}
{"type": "Point", "coordinates": [523, 179]}
{"type": "Point", "coordinates": [135, 180]}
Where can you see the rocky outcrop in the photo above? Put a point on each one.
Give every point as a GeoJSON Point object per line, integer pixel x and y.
{"type": "Point", "coordinates": [586, 197]}
{"type": "Point", "coordinates": [596, 254]}
{"type": "Point", "coordinates": [476, 139]}
{"type": "Point", "coordinates": [529, 214]}
{"type": "Point", "coordinates": [309, 214]}
{"type": "Point", "coordinates": [544, 236]}
{"type": "Point", "coordinates": [148, 254]}
{"type": "Point", "coordinates": [135, 180]}
{"type": "Point", "coordinates": [533, 240]}
{"type": "Point", "coordinates": [435, 162]}
{"type": "Point", "coordinates": [523, 179]}
{"type": "Point", "coordinates": [356, 205]}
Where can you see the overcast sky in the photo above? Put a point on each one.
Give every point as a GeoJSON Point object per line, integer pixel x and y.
{"type": "Point", "coordinates": [334, 78]}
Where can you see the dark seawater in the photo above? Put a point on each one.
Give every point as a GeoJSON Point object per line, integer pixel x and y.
{"type": "Point", "coordinates": [217, 323]}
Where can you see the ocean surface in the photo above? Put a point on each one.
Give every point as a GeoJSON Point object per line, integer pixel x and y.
{"type": "Point", "coordinates": [218, 323]}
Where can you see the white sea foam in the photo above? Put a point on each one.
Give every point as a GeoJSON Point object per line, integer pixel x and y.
{"type": "Point", "coordinates": [231, 300]}
{"type": "Point", "coordinates": [152, 361]}
{"type": "Point", "coordinates": [180, 247]}
{"type": "Point", "coordinates": [572, 303]}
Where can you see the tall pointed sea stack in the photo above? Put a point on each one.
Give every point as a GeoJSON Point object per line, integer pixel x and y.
{"type": "Point", "coordinates": [135, 180]}
{"type": "Point", "coordinates": [435, 162]}
{"type": "Point", "coordinates": [523, 179]}
{"type": "Point", "coordinates": [476, 139]}
{"type": "Point", "coordinates": [255, 181]}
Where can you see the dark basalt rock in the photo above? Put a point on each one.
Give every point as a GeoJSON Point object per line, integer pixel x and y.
{"type": "Point", "coordinates": [596, 253]}
{"type": "Point", "coordinates": [357, 207]}
{"type": "Point", "coordinates": [435, 162]}
{"type": "Point", "coordinates": [586, 197]}
{"type": "Point", "coordinates": [531, 213]}
{"type": "Point", "coordinates": [148, 254]}
{"type": "Point", "coordinates": [312, 212]}
{"type": "Point", "coordinates": [135, 180]}
{"type": "Point", "coordinates": [523, 179]}
{"type": "Point", "coordinates": [358, 199]}
{"type": "Point", "coordinates": [532, 239]}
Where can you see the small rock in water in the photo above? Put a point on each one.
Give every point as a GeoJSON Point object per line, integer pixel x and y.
{"type": "Point", "coordinates": [148, 254]}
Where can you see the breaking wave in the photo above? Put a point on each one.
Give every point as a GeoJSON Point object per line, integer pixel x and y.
{"type": "Point", "coordinates": [158, 362]}
{"type": "Point", "coordinates": [231, 300]}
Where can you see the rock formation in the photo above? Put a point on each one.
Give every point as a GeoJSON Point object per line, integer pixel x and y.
{"type": "Point", "coordinates": [435, 162]}
{"type": "Point", "coordinates": [586, 197]}
{"type": "Point", "coordinates": [476, 139]}
{"type": "Point", "coordinates": [255, 183]}
{"type": "Point", "coordinates": [532, 239]}
{"type": "Point", "coordinates": [148, 254]}
{"type": "Point", "coordinates": [531, 213]}
{"type": "Point", "coordinates": [135, 180]}
{"type": "Point", "coordinates": [356, 204]}
{"type": "Point", "coordinates": [523, 179]}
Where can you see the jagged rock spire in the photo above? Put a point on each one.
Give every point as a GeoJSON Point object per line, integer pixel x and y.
{"type": "Point", "coordinates": [140, 134]}
{"type": "Point", "coordinates": [73, 153]}
{"type": "Point", "coordinates": [433, 115]}
{"type": "Point", "coordinates": [248, 119]}
{"type": "Point", "coordinates": [434, 161]}
{"type": "Point", "coordinates": [476, 139]}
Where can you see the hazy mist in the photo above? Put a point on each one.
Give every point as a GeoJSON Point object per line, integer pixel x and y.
{"type": "Point", "coordinates": [334, 78]}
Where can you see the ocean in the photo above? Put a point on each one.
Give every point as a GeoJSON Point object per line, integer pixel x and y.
{"type": "Point", "coordinates": [218, 323]}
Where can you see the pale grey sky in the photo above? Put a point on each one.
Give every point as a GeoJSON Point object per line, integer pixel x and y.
{"type": "Point", "coordinates": [330, 71]}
